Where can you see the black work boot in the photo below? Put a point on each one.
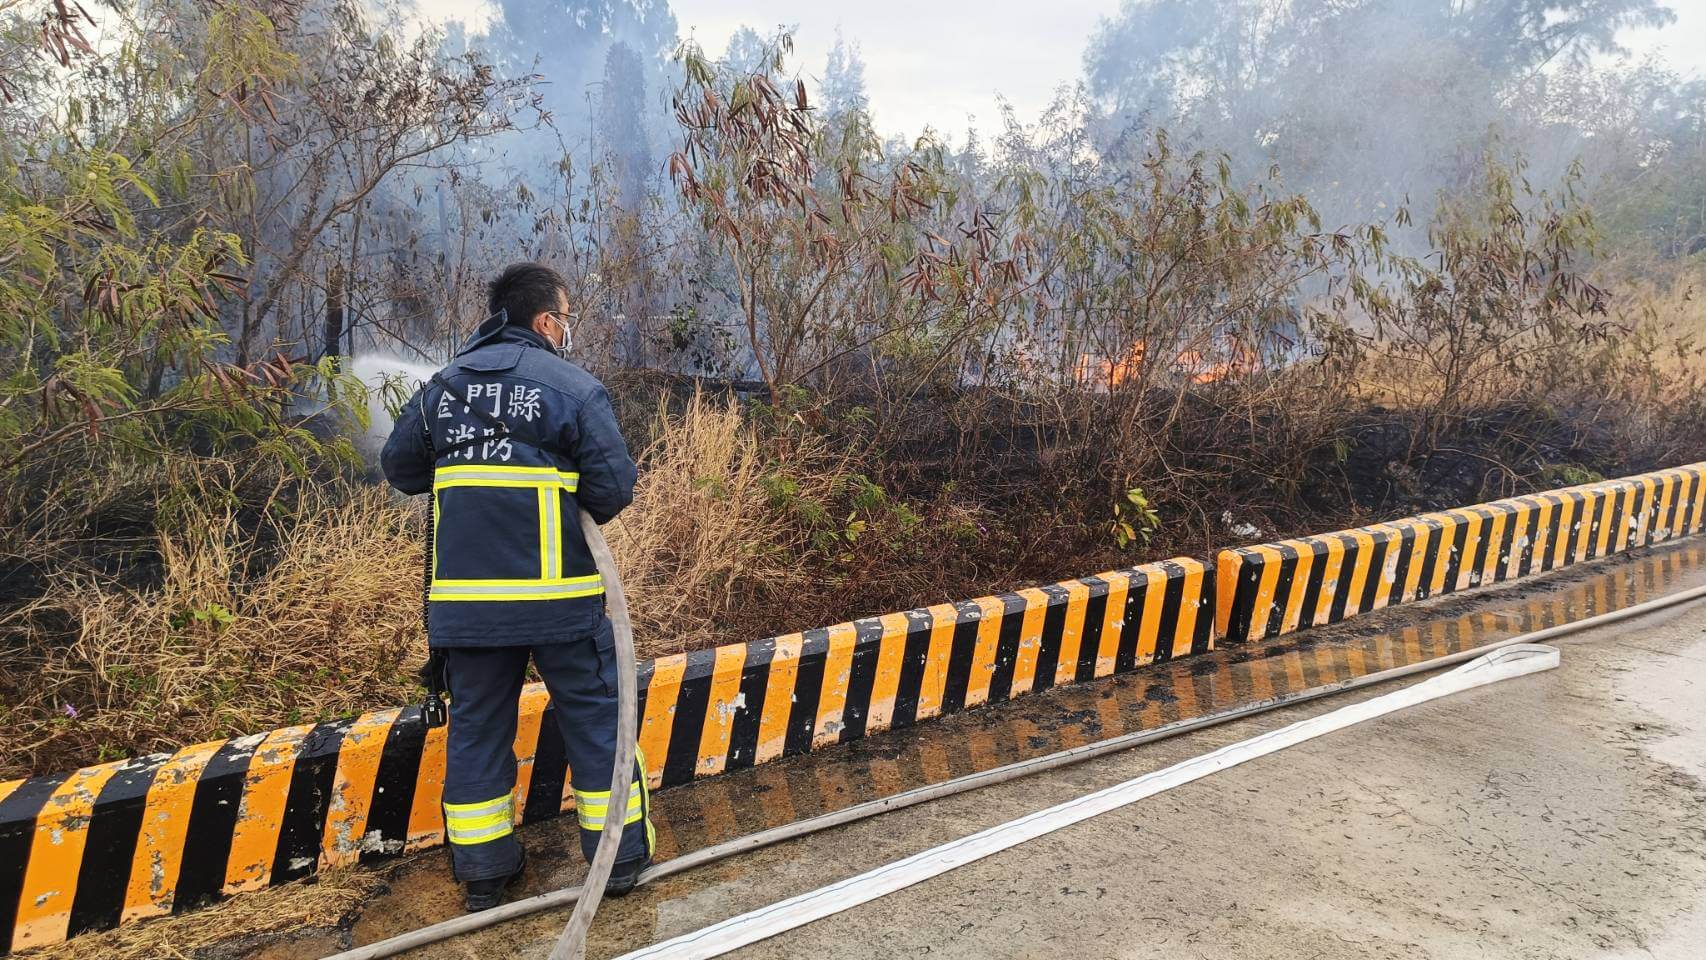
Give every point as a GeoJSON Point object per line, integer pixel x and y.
{"type": "Point", "coordinates": [625, 875]}
{"type": "Point", "coordinates": [485, 894]}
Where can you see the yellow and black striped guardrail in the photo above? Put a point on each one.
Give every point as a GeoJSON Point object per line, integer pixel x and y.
{"type": "Point", "coordinates": [162, 834]}
{"type": "Point", "coordinates": [1271, 589]}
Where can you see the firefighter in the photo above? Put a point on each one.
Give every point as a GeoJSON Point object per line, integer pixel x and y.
{"type": "Point", "coordinates": [512, 441]}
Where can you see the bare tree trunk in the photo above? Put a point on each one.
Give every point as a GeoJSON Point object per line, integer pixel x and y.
{"type": "Point", "coordinates": [452, 271]}
{"type": "Point", "coordinates": [334, 329]}
{"type": "Point", "coordinates": [251, 243]}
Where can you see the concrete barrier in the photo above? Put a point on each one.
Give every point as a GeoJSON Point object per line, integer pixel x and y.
{"type": "Point", "coordinates": [1271, 589]}
{"type": "Point", "coordinates": [162, 834]}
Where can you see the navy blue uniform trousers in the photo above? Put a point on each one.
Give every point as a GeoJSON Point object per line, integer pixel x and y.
{"type": "Point", "coordinates": [479, 783]}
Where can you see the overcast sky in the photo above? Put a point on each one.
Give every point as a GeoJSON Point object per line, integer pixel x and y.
{"type": "Point", "coordinates": [938, 62]}
{"type": "Point", "coordinates": [943, 63]}
{"type": "Point", "coordinates": [927, 62]}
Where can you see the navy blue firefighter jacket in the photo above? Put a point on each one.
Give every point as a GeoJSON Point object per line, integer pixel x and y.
{"type": "Point", "coordinates": [509, 565]}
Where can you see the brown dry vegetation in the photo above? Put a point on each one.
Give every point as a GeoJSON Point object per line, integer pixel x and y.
{"type": "Point", "coordinates": [737, 531]}
{"type": "Point", "coordinates": [746, 522]}
{"type": "Point", "coordinates": [331, 897]}
{"type": "Point", "coordinates": [331, 626]}
{"type": "Point", "coordinates": [703, 531]}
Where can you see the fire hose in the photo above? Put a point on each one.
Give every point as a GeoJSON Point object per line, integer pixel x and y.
{"type": "Point", "coordinates": [572, 944]}
{"type": "Point", "coordinates": [719, 938]}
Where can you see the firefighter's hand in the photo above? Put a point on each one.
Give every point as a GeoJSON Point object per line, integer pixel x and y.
{"type": "Point", "coordinates": [432, 674]}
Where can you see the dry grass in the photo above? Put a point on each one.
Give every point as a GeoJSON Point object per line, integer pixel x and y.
{"type": "Point", "coordinates": [332, 627]}
{"type": "Point", "coordinates": [1676, 301]}
{"type": "Point", "coordinates": [325, 902]}
{"type": "Point", "coordinates": [706, 530]}
{"type": "Point", "coordinates": [733, 534]}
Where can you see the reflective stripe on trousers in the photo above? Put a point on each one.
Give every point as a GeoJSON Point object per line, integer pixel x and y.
{"type": "Point", "coordinates": [480, 762]}
{"type": "Point", "coordinates": [470, 823]}
{"type": "Point", "coordinates": [591, 806]}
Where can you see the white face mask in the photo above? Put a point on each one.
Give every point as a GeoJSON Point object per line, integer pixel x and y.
{"type": "Point", "coordinates": [568, 340]}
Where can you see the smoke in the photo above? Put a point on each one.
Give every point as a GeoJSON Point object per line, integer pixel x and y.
{"type": "Point", "coordinates": [602, 70]}
{"type": "Point", "coordinates": [1364, 105]}
{"type": "Point", "coordinates": [388, 380]}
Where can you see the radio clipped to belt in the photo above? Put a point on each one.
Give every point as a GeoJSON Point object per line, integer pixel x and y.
{"type": "Point", "coordinates": [433, 711]}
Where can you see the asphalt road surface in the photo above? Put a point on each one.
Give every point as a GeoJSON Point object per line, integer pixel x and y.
{"type": "Point", "coordinates": [1561, 815]}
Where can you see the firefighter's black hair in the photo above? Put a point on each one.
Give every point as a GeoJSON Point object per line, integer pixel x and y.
{"type": "Point", "coordinates": [524, 290]}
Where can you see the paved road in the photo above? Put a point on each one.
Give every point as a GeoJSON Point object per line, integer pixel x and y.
{"type": "Point", "coordinates": [1562, 815]}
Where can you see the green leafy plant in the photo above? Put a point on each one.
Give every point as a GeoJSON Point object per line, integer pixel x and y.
{"type": "Point", "coordinates": [1567, 475]}
{"type": "Point", "coordinates": [213, 615]}
{"type": "Point", "coordinates": [1134, 519]}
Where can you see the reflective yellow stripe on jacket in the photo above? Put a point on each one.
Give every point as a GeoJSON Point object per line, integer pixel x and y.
{"type": "Point", "coordinates": [550, 584]}
{"type": "Point", "coordinates": [490, 475]}
{"type": "Point", "coordinates": [558, 589]}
